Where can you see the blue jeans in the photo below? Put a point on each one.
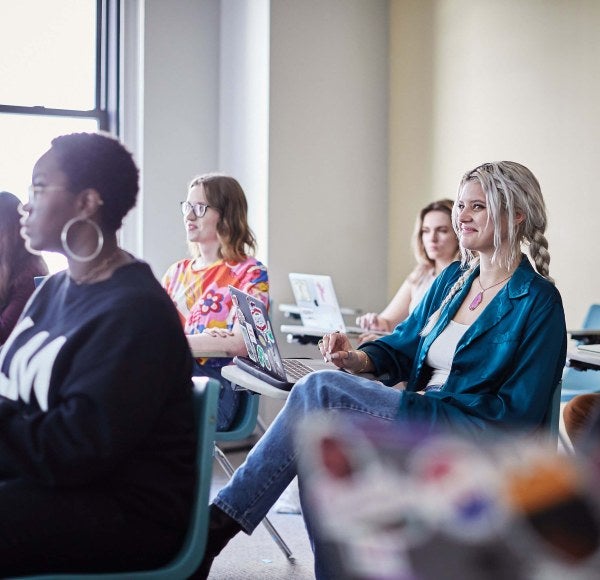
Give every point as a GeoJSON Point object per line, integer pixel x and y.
{"type": "Point", "coordinates": [271, 465]}
{"type": "Point", "coordinates": [229, 399]}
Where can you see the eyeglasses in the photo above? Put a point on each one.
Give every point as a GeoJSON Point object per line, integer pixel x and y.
{"type": "Point", "coordinates": [198, 208]}
{"type": "Point", "coordinates": [34, 190]}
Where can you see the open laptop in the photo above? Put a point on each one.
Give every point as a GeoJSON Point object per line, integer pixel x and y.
{"type": "Point", "coordinates": [319, 309]}
{"type": "Point", "coordinates": [264, 360]}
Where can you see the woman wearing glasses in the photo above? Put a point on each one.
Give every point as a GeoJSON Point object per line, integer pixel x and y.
{"type": "Point", "coordinates": [18, 266]}
{"type": "Point", "coordinates": [221, 245]}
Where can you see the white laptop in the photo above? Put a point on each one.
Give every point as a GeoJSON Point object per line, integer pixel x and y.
{"type": "Point", "coordinates": [319, 309]}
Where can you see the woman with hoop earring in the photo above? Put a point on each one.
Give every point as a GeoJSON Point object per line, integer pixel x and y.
{"type": "Point", "coordinates": [96, 439]}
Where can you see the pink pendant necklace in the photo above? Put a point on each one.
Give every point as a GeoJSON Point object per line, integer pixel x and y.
{"type": "Point", "coordinates": [479, 297]}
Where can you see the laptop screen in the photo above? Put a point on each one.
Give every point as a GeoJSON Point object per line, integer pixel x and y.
{"type": "Point", "coordinates": [315, 296]}
{"type": "Point", "coordinates": [258, 333]}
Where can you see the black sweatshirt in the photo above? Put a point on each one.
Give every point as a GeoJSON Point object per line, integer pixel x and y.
{"type": "Point", "coordinates": [95, 391]}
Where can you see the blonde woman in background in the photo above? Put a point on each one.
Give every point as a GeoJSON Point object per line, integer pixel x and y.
{"type": "Point", "coordinates": [435, 246]}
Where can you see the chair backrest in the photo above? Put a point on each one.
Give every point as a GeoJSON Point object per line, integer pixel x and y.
{"type": "Point", "coordinates": [244, 422]}
{"type": "Point", "coordinates": [185, 563]}
{"type": "Point", "coordinates": [576, 382]}
{"type": "Point", "coordinates": [592, 318]}
{"type": "Point", "coordinates": [206, 399]}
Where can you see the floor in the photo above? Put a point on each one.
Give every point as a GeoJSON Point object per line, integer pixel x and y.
{"type": "Point", "coordinates": [257, 557]}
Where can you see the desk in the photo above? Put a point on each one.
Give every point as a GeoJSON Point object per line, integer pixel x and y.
{"type": "Point", "coordinates": [579, 359]}
{"type": "Point", "coordinates": [245, 380]}
{"type": "Point", "coordinates": [293, 311]}
{"type": "Point", "coordinates": [585, 335]}
{"type": "Point", "coordinates": [308, 335]}
{"type": "Point", "coordinates": [299, 329]}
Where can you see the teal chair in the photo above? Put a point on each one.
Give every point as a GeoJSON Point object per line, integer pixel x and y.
{"type": "Point", "coordinates": [243, 425]}
{"type": "Point", "coordinates": [206, 396]}
{"type": "Point", "coordinates": [576, 382]}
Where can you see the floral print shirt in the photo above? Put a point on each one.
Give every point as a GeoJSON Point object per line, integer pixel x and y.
{"type": "Point", "coordinates": [202, 297]}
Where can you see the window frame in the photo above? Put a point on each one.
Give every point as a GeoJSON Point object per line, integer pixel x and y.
{"type": "Point", "coordinates": [106, 109]}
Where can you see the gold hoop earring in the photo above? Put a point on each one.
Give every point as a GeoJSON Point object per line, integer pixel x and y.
{"type": "Point", "coordinates": [65, 243]}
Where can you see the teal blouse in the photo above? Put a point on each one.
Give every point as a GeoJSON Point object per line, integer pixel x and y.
{"type": "Point", "coordinates": [504, 368]}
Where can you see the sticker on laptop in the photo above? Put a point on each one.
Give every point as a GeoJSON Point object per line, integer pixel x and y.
{"type": "Point", "coordinates": [257, 316]}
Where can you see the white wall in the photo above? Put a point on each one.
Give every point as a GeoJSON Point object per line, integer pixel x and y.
{"type": "Point", "coordinates": [178, 136]}
{"type": "Point", "coordinates": [328, 143]}
{"type": "Point", "coordinates": [507, 80]}
{"type": "Point", "coordinates": [244, 106]}
{"type": "Point", "coordinates": [291, 98]}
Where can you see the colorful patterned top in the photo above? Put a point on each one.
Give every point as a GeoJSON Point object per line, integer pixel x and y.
{"type": "Point", "coordinates": [202, 297]}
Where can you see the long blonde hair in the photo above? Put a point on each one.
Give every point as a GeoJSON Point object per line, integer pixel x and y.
{"type": "Point", "coordinates": [510, 189]}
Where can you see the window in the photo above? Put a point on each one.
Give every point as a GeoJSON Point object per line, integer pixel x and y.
{"type": "Point", "coordinates": [59, 74]}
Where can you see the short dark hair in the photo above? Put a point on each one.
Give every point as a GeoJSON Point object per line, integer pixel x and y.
{"type": "Point", "coordinates": [101, 162]}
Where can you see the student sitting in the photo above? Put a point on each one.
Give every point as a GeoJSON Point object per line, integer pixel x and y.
{"type": "Point", "coordinates": [97, 438]}
{"type": "Point", "coordinates": [483, 350]}
{"type": "Point", "coordinates": [220, 241]}
{"type": "Point", "coordinates": [435, 246]}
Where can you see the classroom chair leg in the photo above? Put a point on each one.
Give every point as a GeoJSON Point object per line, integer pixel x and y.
{"type": "Point", "coordinates": [228, 469]}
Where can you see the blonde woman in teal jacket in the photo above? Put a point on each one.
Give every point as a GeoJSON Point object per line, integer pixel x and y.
{"type": "Point", "coordinates": [482, 351]}
{"type": "Point", "coordinates": [505, 365]}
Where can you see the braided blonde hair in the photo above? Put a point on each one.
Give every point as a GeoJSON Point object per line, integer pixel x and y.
{"type": "Point", "coordinates": [510, 189]}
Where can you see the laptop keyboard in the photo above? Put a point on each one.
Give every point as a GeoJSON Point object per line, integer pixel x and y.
{"type": "Point", "coordinates": [295, 370]}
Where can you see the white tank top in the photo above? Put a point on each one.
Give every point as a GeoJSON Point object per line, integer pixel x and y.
{"type": "Point", "coordinates": [441, 352]}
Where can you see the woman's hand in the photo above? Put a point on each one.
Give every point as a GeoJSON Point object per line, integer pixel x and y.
{"type": "Point", "coordinates": [217, 340]}
{"type": "Point", "coordinates": [372, 321]}
{"type": "Point", "coordinates": [367, 336]}
{"type": "Point", "coordinates": [336, 348]}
